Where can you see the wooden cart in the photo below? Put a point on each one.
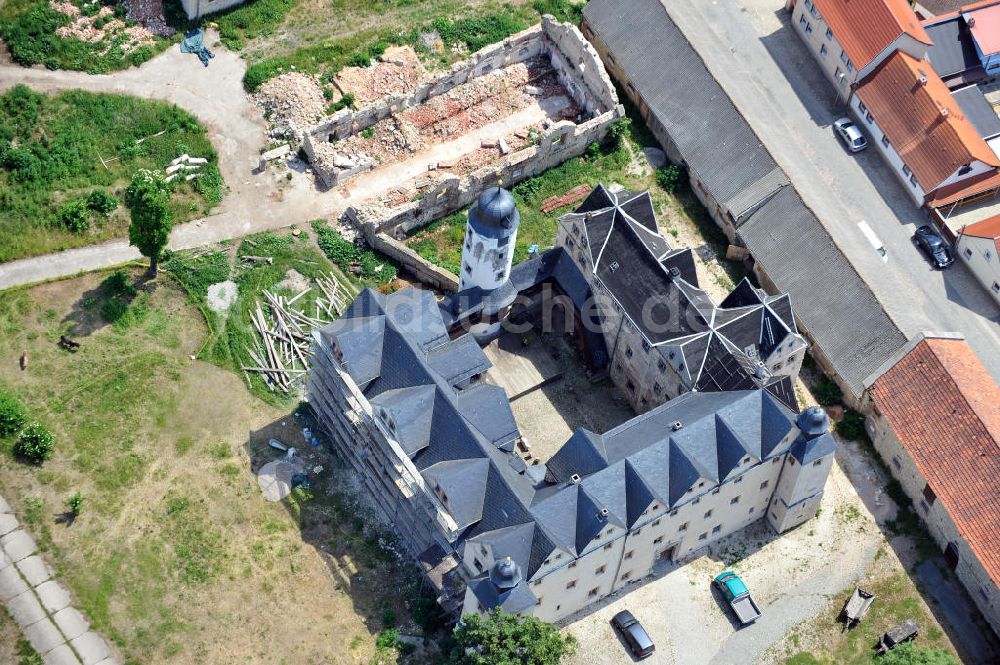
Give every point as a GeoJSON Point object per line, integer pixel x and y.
{"type": "Point", "coordinates": [856, 607]}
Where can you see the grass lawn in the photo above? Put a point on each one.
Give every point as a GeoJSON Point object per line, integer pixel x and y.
{"type": "Point", "coordinates": [896, 600]}
{"type": "Point", "coordinates": [51, 147]}
{"type": "Point", "coordinates": [29, 28]}
{"type": "Point", "coordinates": [322, 37]}
{"type": "Point", "coordinates": [175, 556]}
{"type": "Point", "coordinates": [230, 335]}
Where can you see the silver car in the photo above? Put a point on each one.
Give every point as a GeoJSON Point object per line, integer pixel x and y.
{"type": "Point", "coordinates": [850, 135]}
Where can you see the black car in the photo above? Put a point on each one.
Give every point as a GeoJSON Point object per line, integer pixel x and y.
{"type": "Point", "coordinates": [634, 634]}
{"type": "Point", "coordinates": [934, 246]}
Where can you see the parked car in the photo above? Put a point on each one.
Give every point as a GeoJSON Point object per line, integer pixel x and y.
{"type": "Point", "coordinates": [850, 134]}
{"type": "Point", "coordinates": [638, 640]}
{"type": "Point", "coordinates": [934, 246]}
{"type": "Point", "coordinates": [738, 596]}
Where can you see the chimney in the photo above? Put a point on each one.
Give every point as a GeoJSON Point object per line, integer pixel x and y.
{"type": "Point", "coordinates": [972, 21]}
{"type": "Point", "coordinates": [575, 478]}
{"type": "Point", "coordinates": [677, 426]}
{"type": "Point", "coordinates": [923, 76]}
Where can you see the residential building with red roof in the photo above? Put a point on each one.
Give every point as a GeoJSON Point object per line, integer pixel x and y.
{"type": "Point", "coordinates": [919, 127]}
{"type": "Point", "coordinates": [983, 20]}
{"type": "Point", "coordinates": [936, 422]}
{"type": "Point", "coordinates": [850, 38]}
{"type": "Point", "coordinates": [979, 246]}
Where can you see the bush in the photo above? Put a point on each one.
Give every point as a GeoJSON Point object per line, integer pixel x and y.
{"type": "Point", "coordinates": [619, 130]}
{"type": "Point", "coordinates": [74, 216]}
{"type": "Point", "coordinates": [12, 415]}
{"type": "Point", "coordinates": [670, 178]}
{"type": "Point", "coordinates": [35, 443]}
{"type": "Point", "coordinates": [852, 426]}
{"type": "Point", "coordinates": [911, 654]}
{"type": "Point", "coordinates": [75, 504]}
{"type": "Point", "coordinates": [101, 202]}
{"type": "Point", "coordinates": [827, 393]}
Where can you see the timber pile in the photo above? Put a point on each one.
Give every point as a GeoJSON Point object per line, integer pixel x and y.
{"type": "Point", "coordinates": [285, 333]}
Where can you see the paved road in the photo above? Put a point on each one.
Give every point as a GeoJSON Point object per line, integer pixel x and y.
{"type": "Point", "coordinates": [766, 70]}
{"type": "Point", "coordinates": [40, 605]}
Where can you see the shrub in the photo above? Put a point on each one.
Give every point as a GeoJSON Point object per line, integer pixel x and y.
{"type": "Point", "coordinates": [74, 215]}
{"type": "Point", "coordinates": [852, 426]}
{"type": "Point", "coordinates": [12, 414]}
{"type": "Point", "coordinates": [827, 393]}
{"type": "Point", "coordinates": [75, 504]}
{"type": "Point", "coordinates": [35, 443]}
{"type": "Point", "coordinates": [619, 130]}
{"type": "Point", "coordinates": [101, 202]}
{"type": "Point", "coordinates": [670, 178]}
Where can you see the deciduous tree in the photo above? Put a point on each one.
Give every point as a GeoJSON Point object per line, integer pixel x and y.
{"type": "Point", "coordinates": [508, 639]}
{"type": "Point", "coordinates": [148, 200]}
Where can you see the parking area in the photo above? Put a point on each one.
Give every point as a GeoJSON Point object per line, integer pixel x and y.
{"type": "Point", "coordinates": [797, 578]}
{"type": "Point", "coordinates": [775, 83]}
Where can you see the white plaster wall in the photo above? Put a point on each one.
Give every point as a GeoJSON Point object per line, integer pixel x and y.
{"type": "Point", "coordinates": [486, 261]}
{"type": "Point", "coordinates": [973, 251]}
{"type": "Point", "coordinates": [815, 41]}
{"type": "Point", "coordinates": [889, 154]}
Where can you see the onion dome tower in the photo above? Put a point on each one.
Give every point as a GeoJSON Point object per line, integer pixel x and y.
{"type": "Point", "coordinates": [487, 257]}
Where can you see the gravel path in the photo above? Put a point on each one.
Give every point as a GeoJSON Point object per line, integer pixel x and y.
{"type": "Point", "coordinates": [40, 605]}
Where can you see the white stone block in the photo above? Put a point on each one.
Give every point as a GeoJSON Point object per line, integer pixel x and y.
{"type": "Point", "coordinates": [7, 523]}
{"type": "Point", "coordinates": [91, 647]}
{"type": "Point", "coordinates": [11, 584]}
{"type": "Point", "coordinates": [34, 569]}
{"type": "Point", "coordinates": [44, 636]}
{"type": "Point", "coordinates": [61, 655]}
{"type": "Point", "coordinates": [71, 622]}
{"type": "Point", "coordinates": [25, 609]}
{"type": "Point", "coordinates": [53, 596]}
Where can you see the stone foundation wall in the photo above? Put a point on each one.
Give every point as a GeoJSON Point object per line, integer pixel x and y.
{"type": "Point", "coordinates": [577, 64]}
{"type": "Point", "coordinates": [422, 269]}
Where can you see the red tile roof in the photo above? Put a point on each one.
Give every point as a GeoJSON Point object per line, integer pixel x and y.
{"type": "Point", "coordinates": [942, 404]}
{"type": "Point", "coordinates": [922, 121]}
{"type": "Point", "coordinates": [985, 28]}
{"type": "Point", "coordinates": [964, 189]}
{"type": "Point", "coordinates": [989, 229]}
{"type": "Point", "coordinates": [865, 27]}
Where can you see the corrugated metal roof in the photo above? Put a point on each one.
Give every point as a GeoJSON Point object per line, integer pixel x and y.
{"type": "Point", "coordinates": [834, 304]}
{"type": "Point", "coordinates": [718, 145]}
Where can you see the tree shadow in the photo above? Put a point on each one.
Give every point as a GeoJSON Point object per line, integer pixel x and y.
{"type": "Point", "coordinates": [361, 554]}
{"type": "Point", "coordinates": [106, 303]}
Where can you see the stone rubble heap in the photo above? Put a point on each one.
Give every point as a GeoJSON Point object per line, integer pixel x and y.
{"type": "Point", "coordinates": [399, 71]}
{"type": "Point", "coordinates": [291, 102]}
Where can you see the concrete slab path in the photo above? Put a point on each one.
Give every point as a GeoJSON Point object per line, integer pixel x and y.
{"type": "Point", "coordinates": [41, 605]}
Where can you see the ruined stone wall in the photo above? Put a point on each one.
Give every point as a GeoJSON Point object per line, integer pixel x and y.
{"type": "Point", "coordinates": [422, 269]}
{"type": "Point", "coordinates": [577, 64]}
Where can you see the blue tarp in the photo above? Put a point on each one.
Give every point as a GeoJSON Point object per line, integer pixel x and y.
{"type": "Point", "coordinates": [194, 42]}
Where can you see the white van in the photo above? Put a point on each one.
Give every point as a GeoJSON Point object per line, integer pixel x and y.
{"type": "Point", "coordinates": [873, 240]}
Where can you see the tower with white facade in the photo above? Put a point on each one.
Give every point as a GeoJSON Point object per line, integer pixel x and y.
{"type": "Point", "coordinates": [487, 257]}
{"type": "Point", "coordinates": [804, 473]}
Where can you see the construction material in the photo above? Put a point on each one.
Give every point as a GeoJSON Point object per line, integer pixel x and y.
{"type": "Point", "coordinates": [194, 42]}
{"type": "Point", "coordinates": [574, 195]}
{"type": "Point", "coordinates": [281, 357]}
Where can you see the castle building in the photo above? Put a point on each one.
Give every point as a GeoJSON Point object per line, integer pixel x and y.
{"type": "Point", "coordinates": [401, 393]}
{"type": "Point", "coordinates": [487, 256]}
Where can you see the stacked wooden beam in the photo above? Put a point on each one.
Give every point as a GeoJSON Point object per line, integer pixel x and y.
{"type": "Point", "coordinates": [281, 356]}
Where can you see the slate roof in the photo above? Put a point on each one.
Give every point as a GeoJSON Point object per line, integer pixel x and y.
{"type": "Point", "coordinates": [638, 267]}
{"type": "Point", "coordinates": [683, 97]}
{"type": "Point", "coordinates": [942, 405]}
{"type": "Point", "coordinates": [802, 260]}
{"type": "Point", "coordinates": [979, 111]}
{"type": "Point", "coordinates": [864, 28]}
{"type": "Point", "coordinates": [953, 51]}
{"type": "Point", "coordinates": [650, 459]}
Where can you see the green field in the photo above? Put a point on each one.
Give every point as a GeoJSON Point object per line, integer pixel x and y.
{"type": "Point", "coordinates": [57, 150]}
{"type": "Point", "coordinates": [29, 28]}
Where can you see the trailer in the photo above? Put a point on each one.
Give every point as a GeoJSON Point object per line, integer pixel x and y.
{"type": "Point", "coordinates": [856, 607]}
{"type": "Point", "coordinates": [738, 596]}
{"type": "Point", "coordinates": [898, 634]}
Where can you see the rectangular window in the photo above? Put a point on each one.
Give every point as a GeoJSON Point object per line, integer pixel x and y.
{"type": "Point", "coordinates": [716, 529]}
{"type": "Point", "coordinates": [817, 462]}
{"type": "Point", "coordinates": [628, 555]}
{"type": "Point", "coordinates": [657, 389]}
{"type": "Point", "coordinates": [609, 546]}
{"type": "Point", "coordinates": [814, 11]}
{"type": "Point", "coordinates": [929, 494]}
{"type": "Point", "coordinates": [775, 460]}
{"type": "Point", "coordinates": [628, 352]}
{"type": "Point", "coordinates": [809, 29]}
{"type": "Point", "coordinates": [869, 118]}
{"type": "Point", "coordinates": [862, 109]}
{"type": "Point", "coordinates": [570, 243]}
{"type": "Point", "coordinates": [630, 386]}
{"type": "Point", "coordinates": [913, 181]}
{"type": "Point", "coordinates": [673, 513]}
{"type": "Point", "coordinates": [572, 564]}
{"type": "Point", "coordinates": [601, 570]}
{"type": "Point", "coordinates": [829, 33]}
{"type": "Point", "coordinates": [734, 501]}
{"type": "Point", "coordinates": [626, 575]}
{"type": "Point", "coordinates": [844, 58]}
{"type": "Point", "coordinates": [996, 287]}
{"type": "Point", "coordinates": [708, 514]}
{"type": "Point", "coordinates": [697, 499]}
{"type": "Point", "coordinates": [662, 366]}
{"type": "Point", "coordinates": [468, 268]}
{"type": "Point", "coordinates": [683, 527]}
{"type": "Point", "coordinates": [637, 532]}
{"type": "Point", "coordinates": [658, 540]}
{"type": "Point", "coordinates": [764, 484]}
{"type": "Point", "coordinates": [656, 523]}
{"type": "Point", "coordinates": [738, 480]}
{"type": "Point", "coordinates": [571, 584]}
{"type": "Point", "coordinates": [751, 510]}
{"type": "Point", "coordinates": [924, 506]}
{"type": "Point", "coordinates": [502, 242]}
{"type": "Point", "coordinates": [906, 170]}
{"type": "Point", "coordinates": [803, 22]}
{"type": "Point", "coordinates": [702, 536]}
{"type": "Point", "coordinates": [645, 346]}
{"type": "Point", "coordinates": [885, 140]}
{"type": "Point", "coordinates": [896, 463]}
{"type": "Point", "coordinates": [592, 593]}
{"type": "Point", "coordinates": [716, 490]}
{"type": "Point", "coordinates": [500, 275]}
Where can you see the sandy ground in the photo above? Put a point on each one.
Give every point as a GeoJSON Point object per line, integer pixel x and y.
{"type": "Point", "coordinates": [792, 577]}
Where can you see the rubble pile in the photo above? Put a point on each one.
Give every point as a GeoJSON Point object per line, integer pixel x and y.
{"type": "Point", "coordinates": [85, 28]}
{"type": "Point", "coordinates": [393, 140]}
{"type": "Point", "coordinates": [148, 14]}
{"type": "Point", "coordinates": [398, 72]}
{"type": "Point", "coordinates": [291, 102]}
